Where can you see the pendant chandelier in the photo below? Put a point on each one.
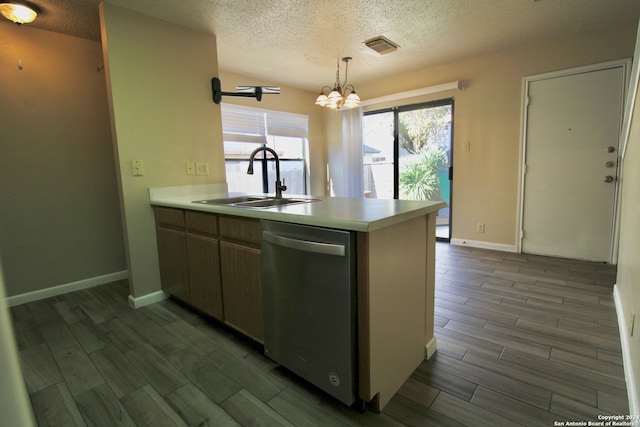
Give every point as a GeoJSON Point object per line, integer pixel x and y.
{"type": "Point", "coordinates": [342, 95]}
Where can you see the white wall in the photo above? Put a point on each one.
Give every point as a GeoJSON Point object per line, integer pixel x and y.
{"type": "Point", "coordinates": [628, 279]}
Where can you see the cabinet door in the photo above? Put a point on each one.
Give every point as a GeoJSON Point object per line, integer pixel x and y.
{"type": "Point", "coordinates": [242, 288]}
{"type": "Point", "coordinates": [172, 255]}
{"type": "Point", "coordinates": [204, 274]}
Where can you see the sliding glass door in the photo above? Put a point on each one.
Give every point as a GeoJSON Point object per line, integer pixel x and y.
{"type": "Point", "coordinates": [408, 156]}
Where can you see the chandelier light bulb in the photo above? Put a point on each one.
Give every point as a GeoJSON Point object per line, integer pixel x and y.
{"type": "Point", "coordinates": [353, 100]}
{"type": "Point", "coordinates": [322, 100]}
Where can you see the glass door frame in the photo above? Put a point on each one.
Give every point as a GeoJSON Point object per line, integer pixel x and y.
{"type": "Point", "coordinates": [396, 147]}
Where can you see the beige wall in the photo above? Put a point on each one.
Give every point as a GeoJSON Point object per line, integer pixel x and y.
{"type": "Point", "coordinates": [628, 286]}
{"type": "Point", "coordinates": [488, 115]}
{"type": "Point", "coordinates": [292, 100]}
{"type": "Point", "coordinates": [60, 218]}
{"type": "Point", "coordinates": [159, 86]}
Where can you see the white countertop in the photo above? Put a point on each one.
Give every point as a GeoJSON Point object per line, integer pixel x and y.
{"type": "Point", "coordinates": [334, 212]}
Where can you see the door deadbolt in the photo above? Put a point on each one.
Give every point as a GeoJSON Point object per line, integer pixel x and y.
{"type": "Point", "coordinates": [608, 178]}
{"type": "Point", "coordinates": [610, 164]}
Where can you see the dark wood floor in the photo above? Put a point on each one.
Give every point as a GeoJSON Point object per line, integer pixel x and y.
{"type": "Point", "coordinates": [522, 340]}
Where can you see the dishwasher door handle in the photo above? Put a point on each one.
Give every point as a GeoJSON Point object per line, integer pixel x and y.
{"type": "Point", "coordinates": [304, 245]}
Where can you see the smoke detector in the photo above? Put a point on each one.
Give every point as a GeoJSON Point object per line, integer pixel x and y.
{"type": "Point", "coordinates": [381, 45]}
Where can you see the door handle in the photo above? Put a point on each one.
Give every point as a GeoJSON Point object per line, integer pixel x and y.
{"type": "Point", "coordinates": [608, 178]}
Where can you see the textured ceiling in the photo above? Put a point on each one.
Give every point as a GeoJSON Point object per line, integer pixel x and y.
{"type": "Point", "coordinates": [296, 42]}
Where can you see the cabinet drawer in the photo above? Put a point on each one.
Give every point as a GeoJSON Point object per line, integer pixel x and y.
{"type": "Point", "coordinates": [245, 229]}
{"type": "Point", "coordinates": [169, 217]}
{"type": "Point", "coordinates": [202, 223]}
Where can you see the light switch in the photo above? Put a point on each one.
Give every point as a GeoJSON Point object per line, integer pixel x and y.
{"type": "Point", "coordinates": [202, 168]}
{"type": "Point", "coordinates": [137, 168]}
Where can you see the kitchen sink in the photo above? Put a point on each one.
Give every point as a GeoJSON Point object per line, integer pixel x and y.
{"type": "Point", "coordinates": [256, 202]}
{"type": "Point", "coordinates": [267, 203]}
{"type": "Point", "coordinates": [232, 200]}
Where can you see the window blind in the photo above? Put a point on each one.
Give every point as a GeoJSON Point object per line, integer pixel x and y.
{"type": "Point", "coordinates": [253, 125]}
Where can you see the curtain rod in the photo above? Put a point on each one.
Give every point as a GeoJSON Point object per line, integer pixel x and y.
{"type": "Point", "coordinates": [416, 92]}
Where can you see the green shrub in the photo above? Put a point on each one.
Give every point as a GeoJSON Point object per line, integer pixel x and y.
{"type": "Point", "coordinates": [419, 174]}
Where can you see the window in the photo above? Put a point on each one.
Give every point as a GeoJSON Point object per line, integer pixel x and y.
{"type": "Point", "coordinates": [245, 129]}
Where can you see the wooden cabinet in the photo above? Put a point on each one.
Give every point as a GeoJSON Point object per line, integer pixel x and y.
{"type": "Point", "coordinates": [212, 262]}
{"type": "Point", "coordinates": [240, 263]}
{"type": "Point", "coordinates": [189, 258]}
{"type": "Point", "coordinates": [204, 262]}
{"type": "Point", "coordinates": [172, 252]}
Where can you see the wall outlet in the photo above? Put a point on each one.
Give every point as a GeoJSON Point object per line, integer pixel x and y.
{"type": "Point", "coordinates": [191, 168]}
{"type": "Point", "coordinates": [137, 168]}
{"type": "Point", "coordinates": [480, 227]}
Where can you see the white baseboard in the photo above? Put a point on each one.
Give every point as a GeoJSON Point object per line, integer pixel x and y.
{"type": "Point", "coordinates": [632, 390]}
{"type": "Point", "coordinates": [66, 288]}
{"type": "Point", "coordinates": [147, 299]}
{"type": "Point", "coordinates": [484, 245]}
{"type": "Point", "coordinates": [431, 347]}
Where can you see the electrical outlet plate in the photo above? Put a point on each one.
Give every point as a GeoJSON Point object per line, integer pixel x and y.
{"type": "Point", "coordinates": [137, 168]}
{"type": "Point", "coordinates": [191, 168]}
{"type": "Point", "coordinates": [480, 227]}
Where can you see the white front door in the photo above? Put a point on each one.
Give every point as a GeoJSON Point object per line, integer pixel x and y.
{"type": "Point", "coordinates": [571, 149]}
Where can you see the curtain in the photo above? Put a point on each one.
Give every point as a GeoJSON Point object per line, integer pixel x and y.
{"type": "Point", "coordinates": [352, 153]}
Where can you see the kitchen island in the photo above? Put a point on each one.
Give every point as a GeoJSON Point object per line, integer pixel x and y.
{"type": "Point", "coordinates": [395, 269]}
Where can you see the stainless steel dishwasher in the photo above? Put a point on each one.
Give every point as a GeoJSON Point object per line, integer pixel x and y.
{"type": "Point", "coordinates": [308, 279]}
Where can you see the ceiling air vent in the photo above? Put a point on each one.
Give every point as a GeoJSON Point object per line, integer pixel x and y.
{"type": "Point", "coordinates": [381, 44]}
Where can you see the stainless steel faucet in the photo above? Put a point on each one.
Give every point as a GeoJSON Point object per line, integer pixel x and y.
{"type": "Point", "coordinates": [280, 187]}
